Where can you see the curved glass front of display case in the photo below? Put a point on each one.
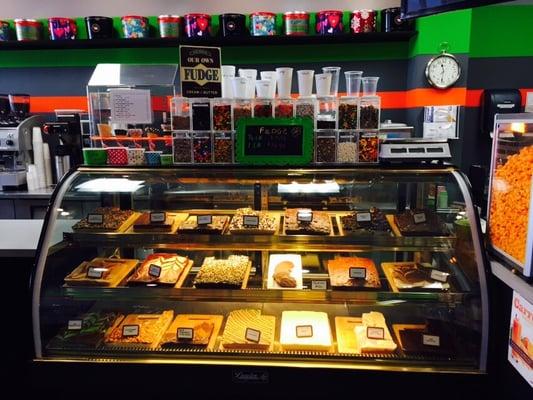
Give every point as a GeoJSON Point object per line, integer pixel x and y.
{"type": "Point", "coordinates": [345, 268]}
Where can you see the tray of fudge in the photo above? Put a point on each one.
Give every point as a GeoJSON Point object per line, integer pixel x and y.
{"type": "Point", "coordinates": [432, 338]}
{"type": "Point", "coordinates": [413, 276]}
{"type": "Point", "coordinates": [204, 224]}
{"type": "Point", "coordinates": [108, 272]}
{"type": "Point", "coordinates": [139, 330]}
{"type": "Point", "coordinates": [285, 271]}
{"type": "Point", "coordinates": [353, 273]}
{"type": "Point", "coordinates": [366, 334]}
{"type": "Point", "coordinates": [158, 222]}
{"type": "Point", "coordinates": [304, 221]}
{"type": "Point", "coordinates": [306, 331]}
{"type": "Point", "coordinates": [248, 221]}
{"type": "Point", "coordinates": [230, 273]}
{"type": "Point", "coordinates": [106, 219]}
{"type": "Point", "coordinates": [163, 269]}
{"type": "Point", "coordinates": [364, 222]}
{"type": "Point", "coordinates": [192, 330]}
{"type": "Point", "coordinates": [249, 329]}
{"type": "Point", "coordinates": [420, 222]}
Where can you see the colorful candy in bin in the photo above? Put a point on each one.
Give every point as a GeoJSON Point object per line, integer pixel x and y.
{"type": "Point", "coordinates": [62, 28]}
{"type": "Point", "coordinates": [363, 21]}
{"type": "Point", "coordinates": [329, 22]}
{"type": "Point", "coordinates": [197, 25]}
{"type": "Point", "coordinates": [263, 24]}
{"type": "Point", "coordinates": [4, 31]}
{"type": "Point", "coordinates": [135, 27]}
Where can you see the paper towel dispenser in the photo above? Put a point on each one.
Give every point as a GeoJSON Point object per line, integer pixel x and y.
{"type": "Point", "coordinates": [498, 101]}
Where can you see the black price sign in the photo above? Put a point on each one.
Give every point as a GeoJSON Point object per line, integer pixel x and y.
{"type": "Point", "coordinates": [431, 340]}
{"type": "Point", "coordinates": [95, 219]}
{"type": "Point", "coordinates": [253, 335]}
{"type": "Point", "coordinates": [75, 324]}
{"type": "Point", "coordinates": [204, 219]}
{"type": "Point", "coordinates": [250, 221]}
{"type": "Point", "coordinates": [303, 331]}
{"type": "Point", "coordinates": [363, 217]}
{"type": "Point", "coordinates": [130, 330]}
{"type": "Point", "coordinates": [279, 140]}
{"type": "Point", "coordinates": [185, 333]}
{"type": "Point", "coordinates": [200, 74]}
{"type": "Point", "coordinates": [419, 218]}
{"type": "Point", "coordinates": [375, 332]}
{"type": "Point", "coordinates": [154, 270]}
{"type": "Point", "coordinates": [158, 217]}
{"type": "Point", "coordinates": [304, 216]}
{"type": "Point", "coordinates": [95, 272]}
{"type": "Point", "coordinates": [357, 273]}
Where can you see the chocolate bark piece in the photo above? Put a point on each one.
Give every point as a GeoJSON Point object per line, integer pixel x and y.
{"type": "Point", "coordinates": [409, 223]}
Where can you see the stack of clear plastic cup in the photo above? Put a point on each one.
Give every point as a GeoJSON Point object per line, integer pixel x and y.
{"type": "Point", "coordinates": [370, 85]}
{"type": "Point", "coordinates": [334, 72]}
{"type": "Point", "coordinates": [353, 82]}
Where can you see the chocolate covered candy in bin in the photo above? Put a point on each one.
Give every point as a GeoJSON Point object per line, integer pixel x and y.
{"type": "Point", "coordinates": [369, 112]}
{"type": "Point", "coordinates": [201, 114]}
{"type": "Point", "coordinates": [284, 108]}
{"type": "Point", "coordinates": [347, 147]}
{"type": "Point", "coordinates": [263, 108]}
{"type": "Point", "coordinates": [368, 147]}
{"type": "Point", "coordinates": [180, 113]}
{"type": "Point", "coordinates": [242, 108]}
{"type": "Point", "coordinates": [201, 147]}
{"type": "Point", "coordinates": [221, 111]}
{"type": "Point", "coordinates": [223, 147]}
{"type": "Point", "coordinates": [348, 112]}
{"type": "Point", "coordinates": [325, 146]}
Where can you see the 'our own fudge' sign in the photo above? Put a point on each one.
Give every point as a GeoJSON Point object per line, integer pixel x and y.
{"type": "Point", "coordinates": [274, 141]}
{"type": "Point", "coordinates": [200, 74]}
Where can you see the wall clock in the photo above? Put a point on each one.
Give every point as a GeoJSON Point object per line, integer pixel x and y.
{"type": "Point", "coordinates": [443, 71]}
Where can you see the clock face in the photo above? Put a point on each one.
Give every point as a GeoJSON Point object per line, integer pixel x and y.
{"type": "Point", "coordinates": [443, 71]}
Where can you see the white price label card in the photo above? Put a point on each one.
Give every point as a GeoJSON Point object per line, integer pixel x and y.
{"type": "Point", "coordinates": [319, 285]}
{"type": "Point", "coordinates": [158, 217]}
{"type": "Point", "coordinates": [431, 340]}
{"type": "Point", "coordinates": [204, 219]}
{"type": "Point", "coordinates": [131, 106]}
{"type": "Point", "coordinates": [154, 270]}
{"type": "Point", "coordinates": [250, 221]}
{"type": "Point", "coordinates": [75, 324]}
{"type": "Point", "coordinates": [419, 218]}
{"type": "Point", "coordinates": [253, 335]}
{"type": "Point", "coordinates": [439, 275]}
{"type": "Point", "coordinates": [375, 332]}
{"type": "Point", "coordinates": [303, 331]}
{"type": "Point", "coordinates": [95, 218]}
{"type": "Point", "coordinates": [363, 217]}
{"type": "Point", "coordinates": [95, 272]}
{"type": "Point", "coordinates": [130, 330]}
{"type": "Point", "coordinates": [185, 333]}
{"type": "Point", "coordinates": [357, 273]}
{"type": "Point", "coordinates": [305, 216]}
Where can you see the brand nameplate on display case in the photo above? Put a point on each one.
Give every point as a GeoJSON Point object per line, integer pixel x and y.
{"type": "Point", "coordinates": [304, 216]}
{"type": "Point", "coordinates": [319, 285]}
{"type": "Point", "coordinates": [185, 333]}
{"type": "Point", "coordinates": [303, 331]}
{"type": "Point", "coordinates": [95, 272]}
{"type": "Point", "coordinates": [375, 332]}
{"type": "Point", "coordinates": [204, 219]}
{"type": "Point", "coordinates": [75, 324]}
{"type": "Point", "coordinates": [363, 217]}
{"type": "Point", "coordinates": [431, 340]}
{"type": "Point", "coordinates": [439, 275]}
{"type": "Point", "coordinates": [154, 270]}
{"type": "Point", "coordinates": [158, 217]}
{"type": "Point", "coordinates": [130, 330]}
{"type": "Point", "coordinates": [200, 74]}
{"type": "Point", "coordinates": [253, 335]}
{"type": "Point", "coordinates": [250, 221]}
{"type": "Point", "coordinates": [357, 273]}
{"type": "Point", "coordinates": [95, 218]}
{"type": "Point", "coordinates": [419, 218]}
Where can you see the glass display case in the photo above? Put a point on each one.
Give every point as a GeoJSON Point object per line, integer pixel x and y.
{"type": "Point", "coordinates": [510, 211]}
{"type": "Point", "coordinates": [331, 268]}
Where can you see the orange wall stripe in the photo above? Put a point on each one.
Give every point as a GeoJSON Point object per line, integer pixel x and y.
{"type": "Point", "coordinates": [49, 104]}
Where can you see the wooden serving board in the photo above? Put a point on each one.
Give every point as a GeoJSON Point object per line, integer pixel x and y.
{"type": "Point", "coordinates": [182, 321]}
{"type": "Point", "coordinates": [392, 223]}
{"type": "Point", "coordinates": [387, 269]}
{"type": "Point", "coordinates": [346, 338]}
{"type": "Point", "coordinates": [257, 231]}
{"type": "Point", "coordinates": [399, 327]}
{"type": "Point", "coordinates": [121, 229]}
{"type": "Point", "coordinates": [184, 274]}
{"type": "Point", "coordinates": [151, 345]}
{"type": "Point", "coordinates": [114, 280]}
{"type": "Point", "coordinates": [178, 219]}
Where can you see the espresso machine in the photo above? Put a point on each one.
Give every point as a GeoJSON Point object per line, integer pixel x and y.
{"type": "Point", "coordinates": [15, 139]}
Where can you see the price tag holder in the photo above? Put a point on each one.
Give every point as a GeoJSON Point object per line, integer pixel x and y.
{"type": "Point", "coordinates": [158, 217]}
{"type": "Point", "coordinates": [319, 285]}
{"type": "Point", "coordinates": [95, 272]}
{"type": "Point", "coordinates": [154, 270]}
{"type": "Point", "coordinates": [130, 330]}
{"type": "Point", "coordinates": [75, 325]}
{"type": "Point", "coordinates": [304, 331]}
{"type": "Point", "coordinates": [204, 219]}
{"type": "Point", "coordinates": [440, 276]}
{"type": "Point", "coordinates": [357, 273]}
{"type": "Point", "coordinates": [253, 335]}
{"type": "Point", "coordinates": [185, 333]}
{"type": "Point", "coordinates": [431, 340]}
{"type": "Point", "coordinates": [419, 218]}
{"type": "Point", "coordinates": [95, 219]}
{"type": "Point", "coordinates": [304, 216]}
{"type": "Point", "coordinates": [375, 332]}
{"type": "Point", "coordinates": [250, 221]}
{"type": "Point", "coordinates": [363, 217]}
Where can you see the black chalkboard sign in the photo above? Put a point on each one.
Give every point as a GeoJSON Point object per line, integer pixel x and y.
{"type": "Point", "coordinates": [274, 141]}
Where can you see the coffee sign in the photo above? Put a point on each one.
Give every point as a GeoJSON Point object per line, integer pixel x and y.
{"type": "Point", "coordinates": [200, 74]}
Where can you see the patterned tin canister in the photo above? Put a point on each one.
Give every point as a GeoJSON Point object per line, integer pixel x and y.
{"type": "Point", "coordinates": [170, 26]}
{"type": "Point", "coordinates": [362, 21]}
{"type": "Point", "coordinates": [233, 24]}
{"type": "Point", "coordinates": [263, 23]}
{"type": "Point", "coordinates": [4, 31]}
{"type": "Point", "coordinates": [296, 23]}
{"type": "Point", "coordinates": [62, 28]}
{"type": "Point", "coordinates": [99, 27]}
{"type": "Point", "coordinates": [28, 29]}
{"type": "Point", "coordinates": [135, 27]}
{"type": "Point", "coordinates": [153, 157]}
{"type": "Point", "coordinates": [117, 156]}
{"type": "Point", "coordinates": [197, 25]}
{"type": "Point", "coordinates": [329, 22]}
{"type": "Point", "coordinates": [136, 156]}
